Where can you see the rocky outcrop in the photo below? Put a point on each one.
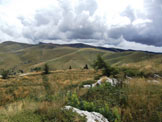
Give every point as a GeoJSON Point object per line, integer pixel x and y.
{"type": "Point", "coordinates": [90, 116]}
{"type": "Point", "coordinates": [112, 81]}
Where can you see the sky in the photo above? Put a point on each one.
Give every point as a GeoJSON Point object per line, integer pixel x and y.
{"type": "Point", "coordinates": [126, 24]}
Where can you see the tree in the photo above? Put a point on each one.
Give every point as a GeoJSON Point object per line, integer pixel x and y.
{"type": "Point", "coordinates": [5, 74]}
{"type": "Point", "coordinates": [106, 69]}
{"type": "Point", "coordinates": [99, 63]}
{"type": "Point", "coordinates": [70, 67]}
{"type": "Point", "coordinates": [46, 69]}
{"type": "Point", "coordinates": [85, 67]}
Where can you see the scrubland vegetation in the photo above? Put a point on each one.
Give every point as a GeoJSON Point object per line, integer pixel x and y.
{"type": "Point", "coordinates": [41, 97]}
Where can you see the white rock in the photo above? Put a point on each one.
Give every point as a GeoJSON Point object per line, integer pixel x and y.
{"type": "Point", "coordinates": [128, 77]}
{"type": "Point", "coordinates": [115, 81]}
{"type": "Point", "coordinates": [86, 86]}
{"type": "Point", "coordinates": [112, 81]}
{"type": "Point", "coordinates": [153, 81]}
{"type": "Point", "coordinates": [24, 74]}
{"type": "Point", "coordinates": [157, 76]}
{"type": "Point", "coordinates": [99, 82]}
{"type": "Point", "coordinates": [109, 81]}
{"type": "Point", "coordinates": [90, 116]}
{"type": "Point", "coordinates": [93, 85]}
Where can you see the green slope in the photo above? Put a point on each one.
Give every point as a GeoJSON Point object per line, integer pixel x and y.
{"type": "Point", "coordinates": [25, 56]}
{"type": "Point", "coordinates": [76, 59]}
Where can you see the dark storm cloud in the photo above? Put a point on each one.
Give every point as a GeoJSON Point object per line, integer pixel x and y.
{"type": "Point", "coordinates": [145, 33]}
{"type": "Point", "coordinates": [134, 34]}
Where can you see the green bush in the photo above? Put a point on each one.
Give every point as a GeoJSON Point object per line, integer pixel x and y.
{"type": "Point", "coordinates": [73, 100]}
{"type": "Point", "coordinates": [70, 67]}
{"type": "Point", "coordinates": [5, 74]}
{"type": "Point", "coordinates": [133, 72]}
{"type": "Point", "coordinates": [85, 67]}
{"type": "Point", "coordinates": [108, 71]}
{"type": "Point", "coordinates": [37, 69]}
{"type": "Point", "coordinates": [94, 105]}
{"type": "Point", "coordinates": [46, 69]}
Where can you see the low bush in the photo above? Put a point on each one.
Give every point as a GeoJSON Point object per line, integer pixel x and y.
{"type": "Point", "coordinates": [5, 74]}
{"type": "Point", "coordinates": [98, 102]}
{"type": "Point", "coordinates": [46, 69]}
{"type": "Point", "coordinates": [132, 72]}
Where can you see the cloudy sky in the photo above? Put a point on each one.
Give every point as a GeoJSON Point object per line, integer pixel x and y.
{"type": "Point", "coordinates": [127, 24]}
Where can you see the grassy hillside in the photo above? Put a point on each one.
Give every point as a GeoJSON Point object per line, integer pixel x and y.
{"type": "Point", "coordinates": [18, 56]}
{"type": "Point", "coordinates": [76, 59]}
{"type": "Point", "coordinates": [13, 46]}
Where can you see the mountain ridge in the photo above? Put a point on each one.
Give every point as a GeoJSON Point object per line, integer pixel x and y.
{"type": "Point", "coordinates": [77, 45]}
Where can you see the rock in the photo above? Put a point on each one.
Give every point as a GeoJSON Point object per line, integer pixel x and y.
{"type": "Point", "coordinates": [128, 77]}
{"type": "Point", "coordinates": [153, 81]}
{"type": "Point", "coordinates": [99, 82]}
{"type": "Point", "coordinates": [157, 76]}
{"type": "Point", "coordinates": [86, 86]}
{"type": "Point", "coordinates": [112, 81]}
{"type": "Point", "coordinates": [90, 116]}
{"type": "Point", "coordinates": [93, 85]}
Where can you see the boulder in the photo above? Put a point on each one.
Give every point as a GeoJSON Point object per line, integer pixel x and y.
{"type": "Point", "coordinates": [90, 116]}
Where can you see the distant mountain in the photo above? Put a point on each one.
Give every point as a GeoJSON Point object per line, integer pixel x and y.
{"type": "Point", "coordinates": [16, 56]}
{"type": "Point", "coordinates": [74, 45]}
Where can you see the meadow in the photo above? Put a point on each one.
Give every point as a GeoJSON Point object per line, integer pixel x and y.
{"type": "Point", "coordinates": [41, 98]}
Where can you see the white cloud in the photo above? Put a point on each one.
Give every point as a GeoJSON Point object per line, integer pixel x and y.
{"type": "Point", "coordinates": [99, 22]}
{"type": "Point", "coordinates": [141, 21]}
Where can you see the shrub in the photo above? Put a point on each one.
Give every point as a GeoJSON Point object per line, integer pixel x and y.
{"type": "Point", "coordinates": [85, 67]}
{"type": "Point", "coordinates": [70, 67]}
{"type": "Point", "coordinates": [46, 69]}
{"type": "Point", "coordinates": [73, 100]}
{"type": "Point", "coordinates": [37, 69]}
{"type": "Point", "coordinates": [5, 74]}
{"type": "Point", "coordinates": [108, 71]}
{"type": "Point", "coordinates": [21, 71]}
{"type": "Point", "coordinates": [112, 114]}
{"type": "Point", "coordinates": [132, 72]}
